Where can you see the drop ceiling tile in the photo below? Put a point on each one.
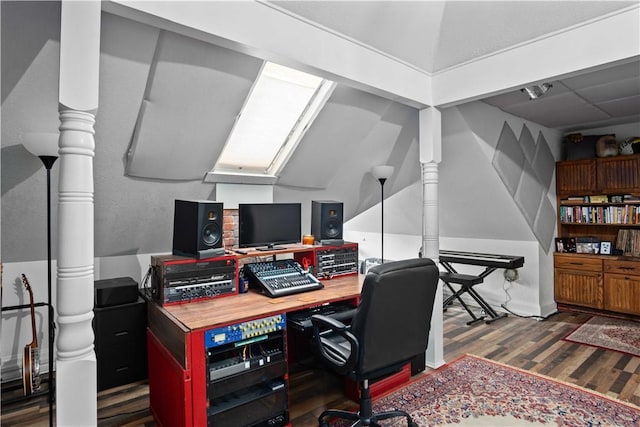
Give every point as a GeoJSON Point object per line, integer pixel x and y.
{"type": "Point", "coordinates": [622, 107]}
{"type": "Point", "coordinates": [558, 111]}
{"type": "Point", "coordinates": [603, 76]}
{"type": "Point", "coordinates": [612, 90]}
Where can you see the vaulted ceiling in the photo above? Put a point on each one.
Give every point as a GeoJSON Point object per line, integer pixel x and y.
{"type": "Point", "coordinates": [435, 36]}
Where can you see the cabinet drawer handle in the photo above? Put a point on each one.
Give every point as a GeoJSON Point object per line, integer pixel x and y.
{"type": "Point", "coordinates": [627, 268]}
{"type": "Point", "coordinates": [122, 333]}
{"type": "Point", "coordinates": [575, 263]}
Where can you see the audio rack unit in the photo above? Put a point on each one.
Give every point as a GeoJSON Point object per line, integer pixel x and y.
{"type": "Point", "coordinates": [246, 373]}
{"type": "Point", "coordinates": [179, 279]}
{"type": "Point", "coordinates": [332, 260]}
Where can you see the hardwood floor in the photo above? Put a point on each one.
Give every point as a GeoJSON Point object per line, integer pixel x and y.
{"type": "Point", "coordinates": [536, 346]}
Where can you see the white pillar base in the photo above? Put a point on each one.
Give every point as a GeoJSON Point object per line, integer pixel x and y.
{"type": "Point", "coordinates": [75, 407]}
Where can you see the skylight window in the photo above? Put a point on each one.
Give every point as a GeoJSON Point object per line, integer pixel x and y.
{"type": "Point", "coordinates": [274, 118]}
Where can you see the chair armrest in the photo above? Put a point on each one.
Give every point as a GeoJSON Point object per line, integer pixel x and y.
{"type": "Point", "coordinates": [337, 345]}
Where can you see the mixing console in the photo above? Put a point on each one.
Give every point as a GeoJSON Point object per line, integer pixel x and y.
{"type": "Point", "coordinates": [280, 277]}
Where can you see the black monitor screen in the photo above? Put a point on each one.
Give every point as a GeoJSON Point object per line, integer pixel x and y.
{"type": "Point", "coordinates": [269, 224]}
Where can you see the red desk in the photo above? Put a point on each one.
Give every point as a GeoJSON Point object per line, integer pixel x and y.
{"type": "Point", "coordinates": [176, 343]}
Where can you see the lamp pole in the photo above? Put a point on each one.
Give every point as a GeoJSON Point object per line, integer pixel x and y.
{"type": "Point", "coordinates": [382, 181]}
{"type": "Point", "coordinates": [45, 146]}
{"type": "Point", "coordinates": [382, 173]}
{"type": "Point", "coordinates": [48, 162]}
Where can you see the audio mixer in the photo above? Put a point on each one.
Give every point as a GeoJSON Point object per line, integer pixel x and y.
{"type": "Point", "coordinates": [280, 277]}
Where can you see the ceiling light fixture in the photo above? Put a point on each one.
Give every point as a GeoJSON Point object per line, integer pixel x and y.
{"type": "Point", "coordinates": [536, 91]}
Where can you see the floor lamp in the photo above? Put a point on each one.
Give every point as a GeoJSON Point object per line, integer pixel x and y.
{"type": "Point", "coordinates": [45, 146]}
{"type": "Point", "coordinates": [382, 173]}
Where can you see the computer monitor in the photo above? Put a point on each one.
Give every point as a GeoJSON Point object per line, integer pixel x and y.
{"type": "Point", "coordinates": [266, 225]}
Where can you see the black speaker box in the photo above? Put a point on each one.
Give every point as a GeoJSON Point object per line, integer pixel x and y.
{"type": "Point", "coordinates": [198, 228]}
{"type": "Point", "coordinates": [326, 221]}
{"type": "Point", "coordinates": [116, 291]}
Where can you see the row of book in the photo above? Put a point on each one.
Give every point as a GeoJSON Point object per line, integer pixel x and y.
{"type": "Point", "coordinates": [628, 241]}
{"type": "Point", "coordinates": [601, 198]}
{"type": "Point", "coordinates": [628, 214]}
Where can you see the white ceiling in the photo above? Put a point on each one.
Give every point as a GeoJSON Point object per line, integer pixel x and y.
{"type": "Point", "coordinates": [434, 36]}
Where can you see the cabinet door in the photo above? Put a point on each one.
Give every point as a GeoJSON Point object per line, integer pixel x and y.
{"type": "Point", "coordinates": [618, 174]}
{"type": "Point", "coordinates": [576, 177]}
{"type": "Point", "coordinates": [577, 287]}
{"type": "Point", "coordinates": [622, 293]}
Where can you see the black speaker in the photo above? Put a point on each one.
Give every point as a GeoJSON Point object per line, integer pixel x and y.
{"type": "Point", "coordinates": [326, 221]}
{"type": "Point", "coordinates": [120, 290]}
{"type": "Point", "coordinates": [198, 228]}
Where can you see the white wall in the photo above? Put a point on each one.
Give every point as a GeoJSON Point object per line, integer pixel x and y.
{"type": "Point", "coordinates": [16, 326]}
{"type": "Point", "coordinates": [476, 212]}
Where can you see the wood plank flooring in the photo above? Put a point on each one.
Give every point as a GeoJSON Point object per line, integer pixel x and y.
{"type": "Point", "coordinates": [528, 344]}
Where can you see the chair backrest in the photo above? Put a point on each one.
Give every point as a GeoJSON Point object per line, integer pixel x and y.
{"type": "Point", "coordinates": [393, 319]}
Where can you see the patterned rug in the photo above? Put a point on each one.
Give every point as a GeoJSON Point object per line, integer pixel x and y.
{"type": "Point", "coordinates": [473, 391]}
{"type": "Point", "coordinates": [609, 333]}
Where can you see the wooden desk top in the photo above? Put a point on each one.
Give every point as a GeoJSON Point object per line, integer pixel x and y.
{"type": "Point", "coordinates": [288, 249]}
{"type": "Point", "coordinates": [238, 308]}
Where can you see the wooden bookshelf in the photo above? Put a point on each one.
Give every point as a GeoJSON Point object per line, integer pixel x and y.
{"type": "Point", "coordinates": [599, 200]}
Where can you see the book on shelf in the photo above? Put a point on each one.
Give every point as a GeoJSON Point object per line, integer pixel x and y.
{"type": "Point", "coordinates": [608, 215]}
{"type": "Point", "coordinates": [600, 198]}
{"type": "Point", "coordinates": [628, 241]}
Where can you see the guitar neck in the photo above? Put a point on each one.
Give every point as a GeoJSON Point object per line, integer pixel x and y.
{"type": "Point", "coordinates": [34, 335]}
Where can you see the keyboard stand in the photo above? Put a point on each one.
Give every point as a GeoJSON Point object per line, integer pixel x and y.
{"type": "Point", "coordinates": [468, 281]}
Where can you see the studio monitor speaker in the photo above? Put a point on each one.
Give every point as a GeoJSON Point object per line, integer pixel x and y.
{"type": "Point", "coordinates": [198, 229]}
{"type": "Point", "coordinates": [326, 221]}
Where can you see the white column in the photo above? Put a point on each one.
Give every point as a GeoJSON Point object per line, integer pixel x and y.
{"type": "Point", "coordinates": [430, 157]}
{"type": "Point", "coordinates": [76, 367]}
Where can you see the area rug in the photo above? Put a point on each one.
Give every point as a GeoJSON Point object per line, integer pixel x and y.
{"type": "Point", "coordinates": [473, 391]}
{"type": "Point", "coordinates": [609, 333]}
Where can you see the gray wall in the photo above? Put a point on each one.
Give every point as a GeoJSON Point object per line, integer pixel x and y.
{"type": "Point", "coordinates": [133, 215]}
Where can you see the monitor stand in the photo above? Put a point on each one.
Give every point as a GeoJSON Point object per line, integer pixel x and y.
{"type": "Point", "coordinates": [271, 248]}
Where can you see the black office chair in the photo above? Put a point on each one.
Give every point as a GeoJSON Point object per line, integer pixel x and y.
{"type": "Point", "coordinates": [390, 327]}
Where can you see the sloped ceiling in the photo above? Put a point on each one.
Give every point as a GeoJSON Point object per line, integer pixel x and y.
{"type": "Point", "coordinates": [194, 92]}
{"type": "Point", "coordinates": [437, 35]}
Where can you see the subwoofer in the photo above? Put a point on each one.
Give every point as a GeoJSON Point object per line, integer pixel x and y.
{"type": "Point", "coordinates": [326, 221]}
{"type": "Point", "coordinates": [198, 228]}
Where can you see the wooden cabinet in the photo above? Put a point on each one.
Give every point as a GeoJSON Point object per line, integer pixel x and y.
{"type": "Point", "coordinates": [617, 175]}
{"type": "Point", "coordinates": [604, 175]}
{"type": "Point", "coordinates": [578, 280]}
{"type": "Point", "coordinates": [603, 282]}
{"type": "Point", "coordinates": [598, 281]}
{"type": "Point", "coordinates": [622, 286]}
{"type": "Point", "coordinates": [576, 177]}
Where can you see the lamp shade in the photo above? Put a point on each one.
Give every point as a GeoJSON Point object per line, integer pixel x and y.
{"type": "Point", "coordinates": [41, 143]}
{"type": "Point", "coordinates": [382, 171]}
